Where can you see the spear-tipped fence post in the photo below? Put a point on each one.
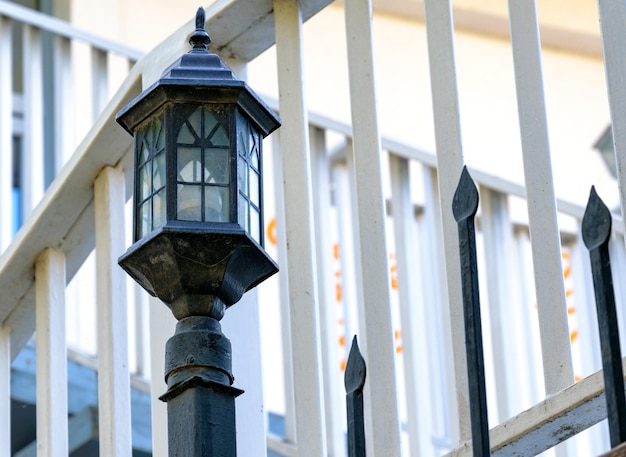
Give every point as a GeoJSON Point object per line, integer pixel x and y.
{"type": "Point", "coordinates": [596, 231]}
{"type": "Point", "coordinates": [354, 381]}
{"type": "Point", "coordinates": [464, 206]}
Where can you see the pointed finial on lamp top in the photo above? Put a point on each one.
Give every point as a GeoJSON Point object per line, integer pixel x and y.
{"type": "Point", "coordinates": [200, 39]}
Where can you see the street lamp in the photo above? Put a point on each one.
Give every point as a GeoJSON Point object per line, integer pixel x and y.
{"type": "Point", "coordinates": [198, 229]}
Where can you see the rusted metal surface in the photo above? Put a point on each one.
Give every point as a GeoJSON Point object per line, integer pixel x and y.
{"type": "Point", "coordinates": [464, 206]}
{"type": "Point", "coordinates": [596, 231]}
{"type": "Point", "coordinates": [354, 381]}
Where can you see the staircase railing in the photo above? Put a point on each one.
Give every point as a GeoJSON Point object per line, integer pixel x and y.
{"type": "Point", "coordinates": [383, 221]}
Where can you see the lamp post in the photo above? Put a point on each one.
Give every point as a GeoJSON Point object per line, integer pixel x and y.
{"type": "Point", "coordinates": [198, 237]}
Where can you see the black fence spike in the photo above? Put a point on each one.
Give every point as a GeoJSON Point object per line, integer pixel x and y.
{"type": "Point", "coordinates": [596, 231]}
{"type": "Point", "coordinates": [354, 381]}
{"type": "Point", "coordinates": [464, 207]}
{"type": "Point", "coordinates": [465, 200]}
{"type": "Point", "coordinates": [597, 221]}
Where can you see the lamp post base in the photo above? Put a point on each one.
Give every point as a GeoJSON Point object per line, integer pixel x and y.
{"type": "Point", "coordinates": [200, 398]}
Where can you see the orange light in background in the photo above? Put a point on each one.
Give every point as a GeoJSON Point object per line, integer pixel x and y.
{"type": "Point", "coordinates": [271, 232]}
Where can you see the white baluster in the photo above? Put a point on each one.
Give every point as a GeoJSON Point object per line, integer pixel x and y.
{"type": "Point", "coordinates": [504, 308]}
{"type": "Point", "coordinates": [52, 428]}
{"type": "Point", "coordinates": [411, 306]}
{"type": "Point", "coordinates": [6, 133]}
{"type": "Point", "coordinates": [285, 328]}
{"type": "Point", "coordinates": [99, 81]}
{"type": "Point", "coordinates": [113, 371]}
{"type": "Point", "coordinates": [303, 301]}
{"type": "Point", "coordinates": [443, 419]}
{"type": "Point", "coordinates": [613, 28]}
{"type": "Point", "coordinates": [439, 30]}
{"type": "Point", "coordinates": [63, 103]}
{"type": "Point", "coordinates": [376, 337]}
{"type": "Point", "coordinates": [162, 327]}
{"type": "Point", "coordinates": [334, 392]}
{"type": "Point", "coordinates": [33, 156]}
{"type": "Point", "coordinates": [5, 392]}
{"type": "Point", "coordinates": [542, 215]}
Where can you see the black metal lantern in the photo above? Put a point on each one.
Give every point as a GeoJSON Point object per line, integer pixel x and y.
{"type": "Point", "coordinates": [198, 181]}
{"type": "Point", "coordinates": [198, 229]}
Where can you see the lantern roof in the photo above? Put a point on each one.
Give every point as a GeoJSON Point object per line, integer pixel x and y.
{"type": "Point", "coordinates": [196, 77]}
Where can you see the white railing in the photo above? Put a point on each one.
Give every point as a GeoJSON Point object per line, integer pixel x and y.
{"type": "Point", "coordinates": [51, 65]}
{"type": "Point", "coordinates": [381, 220]}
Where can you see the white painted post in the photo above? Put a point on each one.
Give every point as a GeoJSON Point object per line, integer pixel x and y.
{"type": "Point", "coordinates": [542, 214]}
{"type": "Point", "coordinates": [349, 255]}
{"type": "Point", "coordinates": [442, 400]}
{"type": "Point", "coordinates": [33, 165]}
{"type": "Point", "coordinates": [162, 328]}
{"type": "Point", "coordinates": [334, 392]}
{"type": "Point", "coordinates": [141, 326]}
{"type": "Point", "coordinates": [528, 356]}
{"type": "Point", "coordinates": [439, 32]}
{"type": "Point", "coordinates": [52, 428]}
{"type": "Point", "coordinates": [63, 105]}
{"type": "Point", "coordinates": [5, 392]}
{"type": "Point", "coordinates": [113, 371]}
{"type": "Point", "coordinates": [241, 326]}
{"type": "Point", "coordinates": [613, 28]}
{"type": "Point", "coordinates": [378, 343]}
{"type": "Point", "coordinates": [409, 285]}
{"type": "Point", "coordinates": [99, 81]}
{"type": "Point", "coordinates": [303, 304]}
{"type": "Point", "coordinates": [6, 133]}
{"type": "Point", "coordinates": [497, 236]}
{"type": "Point", "coordinates": [283, 275]}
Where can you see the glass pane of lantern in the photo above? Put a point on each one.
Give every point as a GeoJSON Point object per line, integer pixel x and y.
{"type": "Point", "coordinates": [216, 164]}
{"type": "Point", "coordinates": [143, 219]}
{"type": "Point", "coordinates": [254, 187]}
{"type": "Point", "coordinates": [219, 137]}
{"type": "Point", "coordinates": [145, 182]}
{"type": "Point", "coordinates": [255, 224]}
{"type": "Point", "coordinates": [216, 204]}
{"type": "Point", "coordinates": [160, 136]}
{"type": "Point", "coordinates": [242, 175]}
{"type": "Point", "coordinates": [243, 142]}
{"type": "Point", "coordinates": [189, 203]}
{"type": "Point", "coordinates": [254, 153]}
{"type": "Point", "coordinates": [189, 165]}
{"type": "Point", "coordinates": [196, 122]}
{"type": "Point", "coordinates": [159, 208]}
{"type": "Point", "coordinates": [158, 172]}
{"type": "Point", "coordinates": [143, 154]}
{"type": "Point", "coordinates": [242, 208]}
{"type": "Point", "coordinates": [185, 136]}
{"type": "Point", "coordinates": [209, 123]}
{"type": "Point", "coordinates": [149, 135]}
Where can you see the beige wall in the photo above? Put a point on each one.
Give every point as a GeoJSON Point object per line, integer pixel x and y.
{"type": "Point", "coordinates": [140, 24]}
